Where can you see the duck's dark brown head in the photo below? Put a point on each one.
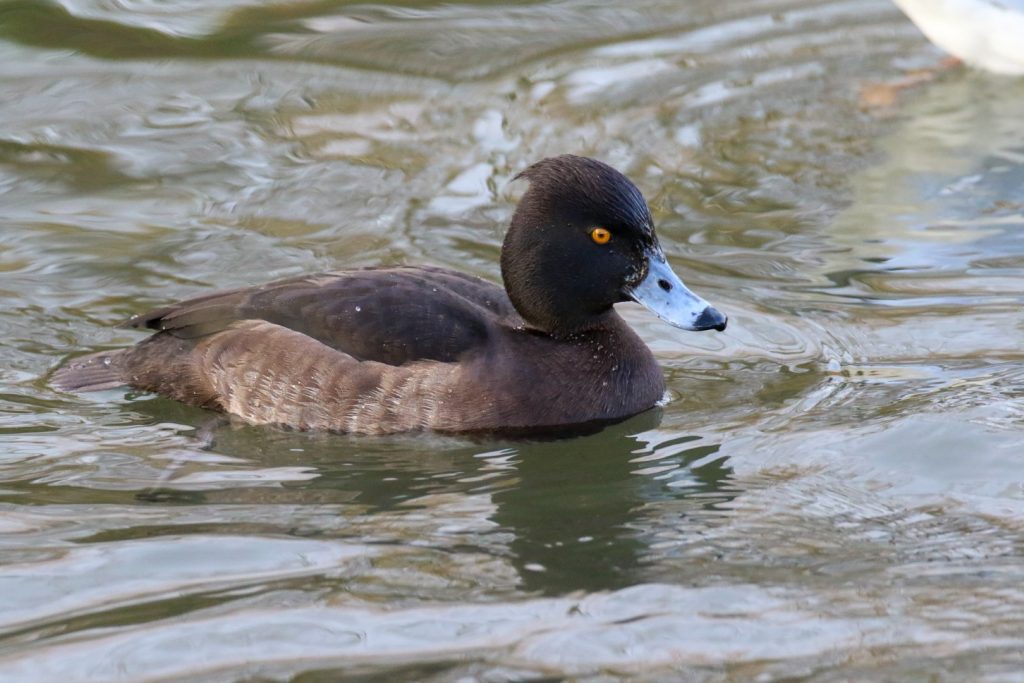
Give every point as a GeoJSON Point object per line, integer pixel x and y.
{"type": "Point", "coordinates": [582, 240]}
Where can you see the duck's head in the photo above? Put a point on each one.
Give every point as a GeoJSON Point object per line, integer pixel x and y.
{"type": "Point", "coordinates": [582, 240]}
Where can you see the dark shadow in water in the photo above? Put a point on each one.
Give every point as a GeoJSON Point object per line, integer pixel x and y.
{"type": "Point", "coordinates": [81, 169]}
{"type": "Point", "coordinates": [257, 32]}
{"type": "Point", "coordinates": [570, 505]}
{"type": "Point", "coordinates": [571, 508]}
{"type": "Point", "coordinates": [242, 33]}
{"type": "Point", "coordinates": [575, 509]}
{"type": "Point", "coordinates": [49, 25]}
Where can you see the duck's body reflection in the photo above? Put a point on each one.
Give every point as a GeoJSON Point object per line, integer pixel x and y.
{"type": "Point", "coordinates": [561, 514]}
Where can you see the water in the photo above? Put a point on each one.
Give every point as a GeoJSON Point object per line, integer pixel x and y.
{"type": "Point", "coordinates": [832, 492]}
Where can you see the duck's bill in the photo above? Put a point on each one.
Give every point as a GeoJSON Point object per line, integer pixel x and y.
{"type": "Point", "coordinates": [665, 295]}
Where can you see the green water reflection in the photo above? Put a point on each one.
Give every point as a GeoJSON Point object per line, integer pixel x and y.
{"type": "Point", "coordinates": [831, 489]}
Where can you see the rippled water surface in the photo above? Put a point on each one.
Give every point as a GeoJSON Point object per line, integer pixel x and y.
{"type": "Point", "coordinates": [833, 491]}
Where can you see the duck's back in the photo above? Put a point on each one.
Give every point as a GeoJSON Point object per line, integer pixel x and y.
{"type": "Point", "coordinates": [388, 315]}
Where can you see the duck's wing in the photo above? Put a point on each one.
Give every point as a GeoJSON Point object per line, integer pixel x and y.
{"type": "Point", "coordinates": [389, 315]}
{"type": "Point", "coordinates": [268, 374]}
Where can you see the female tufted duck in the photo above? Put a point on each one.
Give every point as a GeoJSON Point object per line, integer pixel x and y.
{"type": "Point", "coordinates": [386, 350]}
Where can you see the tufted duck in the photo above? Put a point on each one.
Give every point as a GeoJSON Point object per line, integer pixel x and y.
{"type": "Point", "coordinates": [384, 350]}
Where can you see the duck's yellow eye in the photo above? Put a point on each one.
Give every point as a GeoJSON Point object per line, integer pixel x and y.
{"type": "Point", "coordinates": [600, 235]}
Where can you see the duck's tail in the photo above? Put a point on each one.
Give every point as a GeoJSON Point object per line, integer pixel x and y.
{"type": "Point", "coordinates": [95, 372]}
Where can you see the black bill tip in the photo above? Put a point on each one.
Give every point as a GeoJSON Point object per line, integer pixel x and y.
{"type": "Point", "coordinates": [711, 319]}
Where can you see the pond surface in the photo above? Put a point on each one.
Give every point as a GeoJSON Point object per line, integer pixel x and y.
{"type": "Point", "coordinates": [832, 492]}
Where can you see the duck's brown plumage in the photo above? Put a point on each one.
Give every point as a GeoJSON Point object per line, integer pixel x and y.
{"type": "Point", "coordinates": [477, 370]}
{"type": "Point", "coordinates": [386, 350]}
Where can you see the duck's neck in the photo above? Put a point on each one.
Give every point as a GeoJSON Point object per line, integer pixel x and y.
{"type": "Point", "coordinates": [544, 304]}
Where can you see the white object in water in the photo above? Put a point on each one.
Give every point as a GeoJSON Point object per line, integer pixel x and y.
{"type": "Point", "coordinates": [988, 34]}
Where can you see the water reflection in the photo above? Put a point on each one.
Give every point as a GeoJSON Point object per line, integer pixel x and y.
{"type": "Point", "coordinates": [577, 505]}
{"type": "Point", "coordinates": [949, 189]}
{"type": "Point", "coordinates": [549, 507]}
{"type": "Point", "coordinates": [831, 486]}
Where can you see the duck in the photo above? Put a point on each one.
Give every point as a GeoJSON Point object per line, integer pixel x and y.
{"type": "Point", "coordinates": [987, 34]}
{"type": "Point", "coordinates": [384, 350]}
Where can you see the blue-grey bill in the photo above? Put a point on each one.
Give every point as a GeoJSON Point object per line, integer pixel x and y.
{"type": "Point", "coordinates": [665, 295]}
